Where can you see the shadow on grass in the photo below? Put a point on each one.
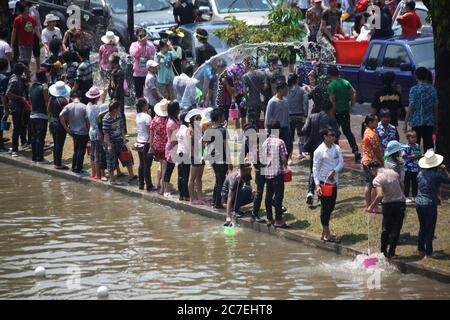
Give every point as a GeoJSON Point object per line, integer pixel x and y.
{"type": "Point", "coordinates": [300, 224]}
{"type": "Point", "coordinates": [353, 238]}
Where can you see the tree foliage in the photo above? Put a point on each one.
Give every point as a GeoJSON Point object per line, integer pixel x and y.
{"type": "Point", "coordinates": [283, 26]}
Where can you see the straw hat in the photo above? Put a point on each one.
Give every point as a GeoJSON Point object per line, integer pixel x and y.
{"type": "Point", "coordinates": [59, 89]}
{"type": "Point", "coordinates": [151, 64]}
{"type": "Point", "coordinates": [49, 18]}
{"type": "Point", "coordinates": [393, 147]}
{"type": "Point", "coordinates": [110, 36]}
{"type": "Point", "coordinates": [176, 31]}
{"type": "Point", "coordinates": [430, 160]}
{"type": "Point", "coordinates": [94, 93]}
{"type": "Point", "coordinates": [192, 113]}
{"type": "Point", "coordinates": [161, 108]}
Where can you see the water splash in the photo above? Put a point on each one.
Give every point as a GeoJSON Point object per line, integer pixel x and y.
{"type": "Point", "coordinates": [356, 266]}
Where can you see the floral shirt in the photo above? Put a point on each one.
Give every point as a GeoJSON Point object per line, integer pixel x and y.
{"type": "Point", "coordinates": [106, 50]}
{"type": "Point", "coordinates": [423, 99]}
{"type": "Point", "coordinates": [172, 141]}
{"type": "Point", "coordinates": [412, 165]}
{"type": "Point", "coordinates": [386, 134]}
{"type": "Point", "coordinates": [237, 71]}
{"type": "Point", "coordinates": [314, 18]}
{"type": "Point", "coordinates": [159, 137]}
{"type": "Point", "coordinates": [370, 142]}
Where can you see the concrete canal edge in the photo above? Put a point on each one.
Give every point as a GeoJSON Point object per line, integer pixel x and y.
{"type": "Point", "coordinates": [293, 235]}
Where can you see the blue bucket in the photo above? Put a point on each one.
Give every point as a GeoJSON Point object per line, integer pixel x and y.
{"type": "Point", "coordinates": [5, 125]}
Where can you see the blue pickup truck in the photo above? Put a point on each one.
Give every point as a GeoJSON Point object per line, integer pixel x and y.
{"type": "Point", "coordinates": [397, 54]}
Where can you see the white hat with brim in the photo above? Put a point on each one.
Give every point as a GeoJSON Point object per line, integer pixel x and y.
{"type": "Point", "coordinates": [110, 36]}
{"type": "Point", "coordinates": [151, 64]}
{"type": "Point", "coordinates": [161, 108]}
{"type": "Point", "coordinates": [430, 160]}
{"type": "Point", "coordinates": [207, 114]}
{"type": "Point", "coordinates": [94, 93]}
{"type": "Point", "coordinates": [192, 113]}
{"type": "Point", "coordinates": [49, 18]}
{"type": "Point", "coordinates": [59, 89]}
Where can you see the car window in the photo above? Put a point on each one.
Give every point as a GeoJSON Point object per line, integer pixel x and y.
{"type": "Point", "coordinates": [372, 59]}
{"type": "Point", "coordinates": [230, 6]}
{"type": "Point", "coordinates": [394, 56]}
{"type": "Point", "coordinates": [95, 4]}
{"type": "Point", "coordinates": [81, 3]}
{"type": "Point", "coordinates": [120, 6]}
{"type": "Point", "coordinates": [202, 3]}
{"type": "Point", "coordinates": [423, 55]}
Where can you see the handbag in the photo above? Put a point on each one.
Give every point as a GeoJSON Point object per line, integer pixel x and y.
{"type": "Point", "coordinates": [125, 155]}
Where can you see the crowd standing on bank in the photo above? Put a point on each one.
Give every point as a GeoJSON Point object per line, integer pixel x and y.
{"type": "Point", "coordinates": [175, 112]}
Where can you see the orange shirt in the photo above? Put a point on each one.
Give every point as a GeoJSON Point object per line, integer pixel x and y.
{"type": "Point", "coordinates": [370, 142]}
{"type": "Point", "coordinates": [410, 23]}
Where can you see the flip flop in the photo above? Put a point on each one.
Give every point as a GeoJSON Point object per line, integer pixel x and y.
{"type": "Point", "coordinates": [332, 239]}
{"type": "Point", "coordinates": [270, 222]}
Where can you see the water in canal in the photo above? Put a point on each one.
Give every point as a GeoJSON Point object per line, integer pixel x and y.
{"type": "Point", "coordinates": [144, 251]}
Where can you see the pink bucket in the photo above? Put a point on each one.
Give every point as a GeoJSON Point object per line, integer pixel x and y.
{"type": "Point", "coordinates": [234, 114]}
{"type": "Point", "coordinates": [370, 261]}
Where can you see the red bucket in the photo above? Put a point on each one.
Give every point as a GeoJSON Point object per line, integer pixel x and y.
{"type": "Point", "coordinates": [327, 189]}
{"type": "Point", "coordinates": [287, 175]}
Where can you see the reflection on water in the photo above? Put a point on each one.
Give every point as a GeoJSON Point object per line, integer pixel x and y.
{"type": "Point", "coordinates": [144, 251]}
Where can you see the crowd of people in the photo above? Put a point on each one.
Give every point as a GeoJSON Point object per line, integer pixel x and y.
{"type": "Point", "coordinates": [184, 122]}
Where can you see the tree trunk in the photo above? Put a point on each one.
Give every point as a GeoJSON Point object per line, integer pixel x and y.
{"type": "Point", "coordinates": [440, 21]}
{"type": "Point", "coordinates": [5, 16]}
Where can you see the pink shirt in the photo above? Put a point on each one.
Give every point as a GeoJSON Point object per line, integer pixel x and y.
{"type": "Point", "coordinates": [172, 141]}
{"type": "Point", "coordinates": [105, 51]}
{"type": "Point", "coordinates": [141, 54]}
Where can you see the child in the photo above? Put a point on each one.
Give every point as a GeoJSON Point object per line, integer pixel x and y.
{"type": "Point", "coordinates": [412, 155]}
{"type": "Point", "coordinates": [108, 47]}
{"type": "Point", "coordinates": [219, 156]}
{"type": "Point", "coordinates": [385, 130]}
{"type": "Point", "coordinates": [165, 58]}
{"type": "Point", "coordinates": [184, 158]}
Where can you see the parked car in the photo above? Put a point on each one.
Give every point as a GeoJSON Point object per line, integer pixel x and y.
{"type": "Point", "coordinates": [397, 54]}
{"type": "Point", "coordinates": [253, 12]}
{"type": "Point", "coordinates": [422, 12]}
{"type": "Point", "coordinates": [97, 16]}
{"type": "Point", "coordinates": [189, 42]}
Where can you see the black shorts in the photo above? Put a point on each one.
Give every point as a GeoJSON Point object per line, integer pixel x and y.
{"type": "Point", "coordinates": [36, 47]}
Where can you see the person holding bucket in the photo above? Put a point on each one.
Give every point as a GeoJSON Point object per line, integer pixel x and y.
{"type": "Point", "coordinates": [429, 180]}
{"type": "Point", "coordinates": [328, 161]}
{"type": "Point", "coordinates": [389, 190]}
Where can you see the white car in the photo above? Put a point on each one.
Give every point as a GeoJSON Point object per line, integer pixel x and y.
{"type": "Point", "coordinates": [422, 12]}
{"type": "Point", "coordinates": [253, 12]}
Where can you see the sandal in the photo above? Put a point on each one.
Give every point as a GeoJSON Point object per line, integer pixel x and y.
{"type": "Point", "coordinates": [228, 224]}
{"type": "Point", "coordinates": [332, 239]}
{"type": "Point", "coordinates": [269, 222]}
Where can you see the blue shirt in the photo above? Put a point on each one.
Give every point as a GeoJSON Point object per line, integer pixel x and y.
{"type": "Point", "coordinates": [423, 99]}
{"type": "Point", "coordinates": [412, 165]}
{"type": "Point", "coordinates": [428, 181]}
{"type": "Point", "coordinates": [386, 134]}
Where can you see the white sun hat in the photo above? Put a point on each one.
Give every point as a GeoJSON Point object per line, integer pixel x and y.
{"type": "Point", "coordinates": [161, 108]}
{"type": "Point", "coordinates": [110, 36]}
{"type": "Point", "coordinates": [59, 89]}
{"type": "Point", "coordinates": [430, 160]}
{"type": "Point", "coordinates": [192, 113]}
{"type": "Point", "coordinates": [49, 18]}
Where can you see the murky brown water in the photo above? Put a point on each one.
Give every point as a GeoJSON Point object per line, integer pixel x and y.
{"type": "Point", "coordinates": [145, 251]}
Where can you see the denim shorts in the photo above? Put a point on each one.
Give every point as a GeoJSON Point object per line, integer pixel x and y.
{"type": "Point", "coordinates": [25, 53]}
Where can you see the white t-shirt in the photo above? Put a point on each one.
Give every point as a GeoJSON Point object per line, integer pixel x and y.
{"type": "Point", "coordinates": [150, 83]}
{"type": "Point", "coordinates": [4, 49]}
{"type": "Point", "coordinates": [48, 35]}
{"type": "Point", "coordinates": [184, 141]}
{"type": "Point", "coordinates": [143, 121]}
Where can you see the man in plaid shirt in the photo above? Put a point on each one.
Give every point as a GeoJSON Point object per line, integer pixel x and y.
{"type": "Point", "coordinates": [274, 159]}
